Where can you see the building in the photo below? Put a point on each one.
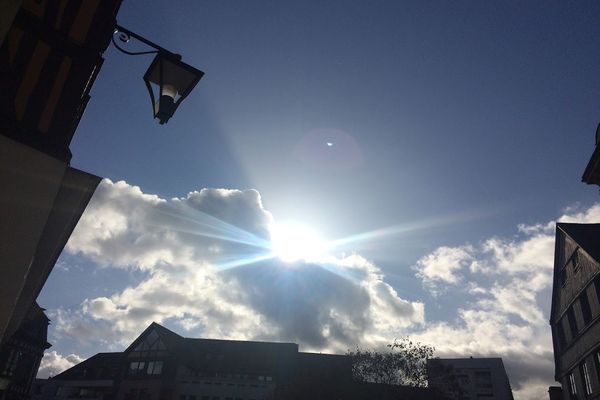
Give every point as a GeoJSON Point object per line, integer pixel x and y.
{"type": "Point", "coordinates": [469, 378]}
{"type": "Point", "coordinates": [575, 309]}
{"type": "Point", "coordinates": [50, 55]}
{"type": "Point", "coordinates": [95, 378]}
{"type": "Point", "coordinates": [591, 175]}
{"type": "Point", "coordinates": [160, 364]}
{"type": "Point", "coordinates": [21, 354]}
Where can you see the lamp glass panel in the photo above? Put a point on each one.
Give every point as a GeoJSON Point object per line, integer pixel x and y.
{"type": "Point", "coordinates": [181, 77]}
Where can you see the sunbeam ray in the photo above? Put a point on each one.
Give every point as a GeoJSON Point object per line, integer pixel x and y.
{"type": "Point", "coordinates": [407, 227]}
{"type": "Point", "coordinates": [205, 225]}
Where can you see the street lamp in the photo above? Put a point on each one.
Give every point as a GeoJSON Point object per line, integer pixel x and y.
{"type": "Point", "coordinates": [168, 79]}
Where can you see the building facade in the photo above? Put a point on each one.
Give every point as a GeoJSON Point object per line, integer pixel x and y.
{"type": "Point", "coordinates": [575, 310]}
{"type": "Point", "coordinates": [50, 54]}
{"type": "Point", "coordinates": [469, 378]}
{"type": "Point", "coordinates": [21, 354]}
{"type": "Point", "coordinates": [160, 364]}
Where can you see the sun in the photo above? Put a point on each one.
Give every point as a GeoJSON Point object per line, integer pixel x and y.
{"type": "Point", "coordinates": [292, 242]}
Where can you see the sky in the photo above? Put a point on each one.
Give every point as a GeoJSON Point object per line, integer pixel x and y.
{"type": "Point", "coordinates": [433, 145]}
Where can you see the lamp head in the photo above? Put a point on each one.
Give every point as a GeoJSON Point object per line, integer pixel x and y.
{"type": "Point", "coordinates": [169, 81]}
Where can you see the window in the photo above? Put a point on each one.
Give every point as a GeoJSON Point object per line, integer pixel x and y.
{"type": "Point", "coordinates": [572, 386]}
{"type": "Point", "coordinates": [151, 345]}
{"type": "Point", "coordinates": [563, 276]}
{"type": "Point", "coordinates": [483, 379]}
{"type": "Point", "coordinates": [572, 321]}
{"type": "Point", "coordinates": [154, 367]}
{"type": "Point", "coordinates": [269, 378]}
{"type": "Point", "coordinates": [136, 367]}
{"type": "Point", "coordinates": [586, 378]}
{"type": "Point", "coordinates": [585, 307]}
{"type": "Point", "coordinates": [575, 261]}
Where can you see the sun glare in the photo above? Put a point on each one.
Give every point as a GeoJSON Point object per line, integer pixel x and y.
{"type": "Point", "coordinates": [292, 242]}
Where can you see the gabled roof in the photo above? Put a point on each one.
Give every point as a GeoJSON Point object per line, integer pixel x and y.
{"type": "Point", "coordinates": [99, 366]}
{"type": "Point", "coordinates": [587, 236]}
{"type": "Point", "coordinates": [168, 337]}
{"type": "Point", "coordinates": [215, 354]}
{"type": "Point", "coordinates": [591, 175]}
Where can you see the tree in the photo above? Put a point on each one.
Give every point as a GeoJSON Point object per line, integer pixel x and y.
{"type": "Point", "coordinates": [405, 363]}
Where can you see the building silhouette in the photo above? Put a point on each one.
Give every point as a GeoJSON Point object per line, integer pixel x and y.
{"type": "Point", "coordinates": [20, 355]}
{"type": "Point", "coordinates": [161, 364]}
{"type": "Point", "coordinates": [50, 55]}
{"type": "Point", "coordinates": [575, 309]}
{"type": "Point", "coordinates": [469, 378]}
{"type": "Point", "coordinates": [591, 175]}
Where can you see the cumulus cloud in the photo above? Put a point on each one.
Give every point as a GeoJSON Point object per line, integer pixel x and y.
{"type": "Point", "coordinates": [53, 363]}
{"type": "Point", "coordinates": [506, 301]}
{"type": "Point", "coordinates": [444, 264]}
{"type": "Point", "coordinates": [208, 269]}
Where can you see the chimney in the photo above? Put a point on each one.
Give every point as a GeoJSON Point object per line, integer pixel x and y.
{"type": "Point", "coordinates": [555, 393]}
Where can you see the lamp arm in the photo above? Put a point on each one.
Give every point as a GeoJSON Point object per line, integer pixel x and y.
{"type": "Point", "coordinates": [125, 36]}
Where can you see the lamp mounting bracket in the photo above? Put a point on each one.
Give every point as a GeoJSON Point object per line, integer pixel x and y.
{"type": "Point", "coordinates": [124, 35]}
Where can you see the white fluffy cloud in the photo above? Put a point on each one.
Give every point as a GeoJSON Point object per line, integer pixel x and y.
{"type": "Point", "coordinates": [192, 250]}
{"type": "Point", "coordinates": [444, 263]}
{"type": "Point", "coordinates": [53, 363]}
{"type": "Point", "coordinates": [505, 306]}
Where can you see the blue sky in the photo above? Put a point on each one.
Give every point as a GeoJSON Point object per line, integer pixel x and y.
{"type": "Point", "coordinates": [452, 123]}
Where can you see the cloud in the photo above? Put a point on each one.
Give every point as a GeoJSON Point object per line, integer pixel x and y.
{"type": "Point", "coordinates": [209, 271]}
{"type": "Point", "coordinates": [53, 363]}
{"type": "Point", "coordinates": [585, 216]}
{"type": "Point", "coordinates": [444, 263]}
{"type": "Point", "coordinates": [533, 390]}
{"type": "Point", "coordinates": [505, 306]}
